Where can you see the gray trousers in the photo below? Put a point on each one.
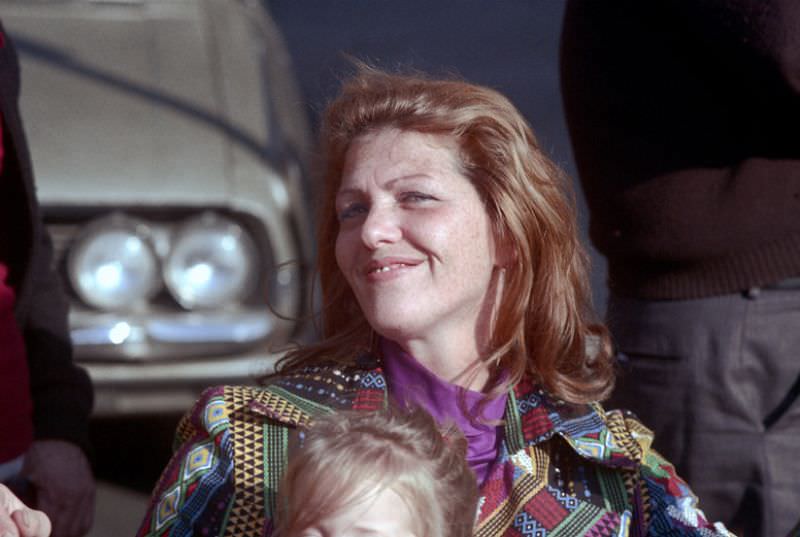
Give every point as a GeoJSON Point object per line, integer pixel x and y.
{"type": "Point", "coordinates": [717, 379]}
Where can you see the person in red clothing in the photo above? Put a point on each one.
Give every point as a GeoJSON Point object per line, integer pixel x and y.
{"type": "Point", "coordinates": [15, 397]}
{"type": "Point", "coordinates": [45, 399]}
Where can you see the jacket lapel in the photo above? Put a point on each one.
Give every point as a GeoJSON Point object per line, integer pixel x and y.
{"type": "Point", "coordinates": [264, 424]}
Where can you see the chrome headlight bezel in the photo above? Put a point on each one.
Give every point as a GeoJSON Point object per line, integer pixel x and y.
{"type": "Point", "coordinates": [85, 275]}
{"type": "Point", "coordinates": [192, 237]}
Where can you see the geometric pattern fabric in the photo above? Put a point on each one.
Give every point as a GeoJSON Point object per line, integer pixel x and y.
{"type": "Point", "coordinates": [562, 470]}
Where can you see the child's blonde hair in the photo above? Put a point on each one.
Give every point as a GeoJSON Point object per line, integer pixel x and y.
{"type": "Point", "coordinates": [348, 458]}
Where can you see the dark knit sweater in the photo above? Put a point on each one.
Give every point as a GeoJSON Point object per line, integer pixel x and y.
{"type": "Point", "coordinates": [685, 122]}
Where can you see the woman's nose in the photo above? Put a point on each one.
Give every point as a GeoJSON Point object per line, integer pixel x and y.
{"type": "Point", "coordinates": [380, 227]}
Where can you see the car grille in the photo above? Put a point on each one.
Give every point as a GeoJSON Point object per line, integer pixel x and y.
{"type": "Point", "coordinates": [62, 236]}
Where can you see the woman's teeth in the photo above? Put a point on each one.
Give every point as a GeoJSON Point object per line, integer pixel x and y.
{"type": "Point", "coordinates": [387, 268]}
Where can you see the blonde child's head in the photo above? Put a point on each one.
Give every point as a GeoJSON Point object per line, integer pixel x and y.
{"type": "Point", "coordinates": [391, 474]}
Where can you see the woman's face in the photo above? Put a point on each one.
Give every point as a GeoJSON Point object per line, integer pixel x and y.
{"type": "Point", "coordinates": [415, 241]}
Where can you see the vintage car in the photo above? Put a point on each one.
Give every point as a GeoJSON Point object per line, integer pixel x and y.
{"type": "Point", "coordinates": [169, 144]}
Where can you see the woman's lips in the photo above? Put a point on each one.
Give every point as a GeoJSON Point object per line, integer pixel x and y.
{"type": "Point", "coordinates": [388, 268]}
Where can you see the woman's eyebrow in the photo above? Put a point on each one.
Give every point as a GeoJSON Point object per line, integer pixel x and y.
{"type": "Point", "coordinates": [391, 183]}
{"type": "Point", "coordinates": [408, 178]}
{"type": "Point", "coordinates": [411, 177]}
{"type": "Point", "coordinates": [348, 192]}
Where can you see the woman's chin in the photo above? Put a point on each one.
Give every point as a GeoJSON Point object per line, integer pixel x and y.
{"type": "Point", "coordinates": [396, 331]}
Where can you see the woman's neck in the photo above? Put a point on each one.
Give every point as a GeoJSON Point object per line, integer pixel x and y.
{"type": "Point", "coordinates": [454, 351]}
{"type": "Point", "coordinates": [450, 360]}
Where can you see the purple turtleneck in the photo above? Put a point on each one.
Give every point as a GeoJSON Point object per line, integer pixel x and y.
{"type": "Point", "coordinates": [410, 382]}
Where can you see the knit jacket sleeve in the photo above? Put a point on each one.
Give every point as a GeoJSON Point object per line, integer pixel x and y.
{"type": "Point", "coordinates": [196, 490]}
{"type": "Point", "coordinates": [669, 505]}
{"type": "Point", "coordinates": [673, 506]}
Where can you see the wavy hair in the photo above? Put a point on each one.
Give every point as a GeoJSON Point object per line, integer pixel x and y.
{"type": "Point", "coordinates": [347, 459]}
{"type": "Point", "coordinates": [544, 324]}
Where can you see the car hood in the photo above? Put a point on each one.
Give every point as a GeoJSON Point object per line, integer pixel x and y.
{"type": "Point", "coordinates": [124, 103]}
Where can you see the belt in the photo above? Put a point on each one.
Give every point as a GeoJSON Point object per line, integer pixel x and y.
{"type": "Point", "coordinates": [788, 283]}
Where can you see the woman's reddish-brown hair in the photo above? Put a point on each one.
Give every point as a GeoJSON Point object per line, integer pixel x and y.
{"type": "Point", "coordinates": [544, 323]}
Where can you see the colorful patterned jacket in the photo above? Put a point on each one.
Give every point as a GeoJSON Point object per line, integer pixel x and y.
{"type": "Point", "coordinates": [563, 469]}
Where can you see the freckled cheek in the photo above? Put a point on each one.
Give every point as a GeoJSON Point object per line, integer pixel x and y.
{"type": "Point", "coordinates": [464, 235]}
{"type": "Point", "coordinates": [449, 238]}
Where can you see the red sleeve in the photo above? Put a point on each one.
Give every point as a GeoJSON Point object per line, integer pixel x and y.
{"type": "Point", "coordinates": [16, 407]}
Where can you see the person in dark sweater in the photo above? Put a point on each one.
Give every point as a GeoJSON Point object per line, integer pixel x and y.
{"type": "Point", "coordinates": [684, 120]}
{"type": "Point", "coordinates": [45, 399]}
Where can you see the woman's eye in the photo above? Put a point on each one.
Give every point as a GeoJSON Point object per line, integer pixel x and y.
{"type": "Point", "coordinates": [352, 210]}
{"type": "Point", "coordinates": [414, 196]}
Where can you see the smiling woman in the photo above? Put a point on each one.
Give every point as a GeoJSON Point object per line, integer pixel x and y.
{"type": "Point", "coordinates": [453, 280]}
{"type": "Point", "coordinates": [415, 246]}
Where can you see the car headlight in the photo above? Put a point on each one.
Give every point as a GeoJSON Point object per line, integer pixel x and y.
{"type": "Point", "coordinates": [113, 265]}
{"type": "Point", "coordinates": [212, 263]}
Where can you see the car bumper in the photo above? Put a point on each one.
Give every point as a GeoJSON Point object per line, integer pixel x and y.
{"type": "Point", "coordinates": [136, 388]}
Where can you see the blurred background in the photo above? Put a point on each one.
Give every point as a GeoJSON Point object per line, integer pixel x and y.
{"type": "Point", "coordinates": [172, 142]}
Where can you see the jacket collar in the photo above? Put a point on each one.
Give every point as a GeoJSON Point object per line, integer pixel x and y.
{"type": "Point", "coordinates": [532, 415]}
{"type": "Point", "coordinates": [296, 397]}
